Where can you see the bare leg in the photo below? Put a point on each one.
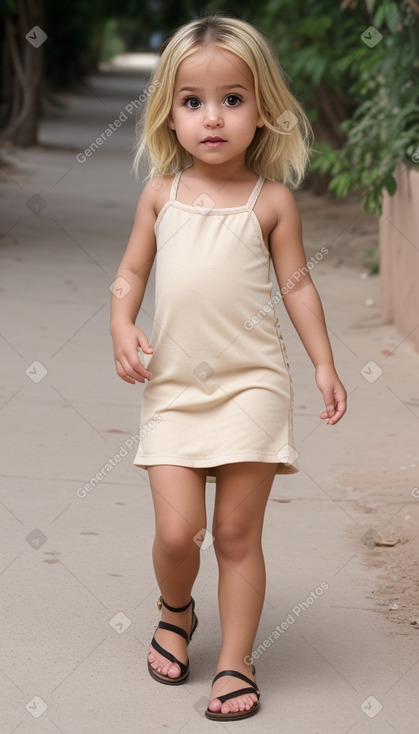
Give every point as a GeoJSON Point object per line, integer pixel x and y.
{"type": "Point", "coordinates": [241, 497]}
{"type": "Point", "coordinates": [179, 504]}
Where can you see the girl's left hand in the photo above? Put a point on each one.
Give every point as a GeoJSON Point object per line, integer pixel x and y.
{"type": "Point", "coordinates": [334, 394]}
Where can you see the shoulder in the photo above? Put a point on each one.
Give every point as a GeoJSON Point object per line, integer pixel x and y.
{"type": "Point", "coordinates": [156, 192]}
{"type": "Point", "coordinates": [276, 208]}
{"type": "Point", "coordinates": [287, 230]}
{"type": "Point", "coordinates": [279, 198]}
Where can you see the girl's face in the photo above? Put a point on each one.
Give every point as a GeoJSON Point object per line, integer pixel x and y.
{"type": "Point", "coordinates": [214, 111]}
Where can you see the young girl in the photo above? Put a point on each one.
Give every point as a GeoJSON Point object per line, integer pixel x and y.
{"type": "Point", "coordinates": [226, 140]}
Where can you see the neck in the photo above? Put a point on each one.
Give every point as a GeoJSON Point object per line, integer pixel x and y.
{"type": "Point", "coordinates": [229, 170]}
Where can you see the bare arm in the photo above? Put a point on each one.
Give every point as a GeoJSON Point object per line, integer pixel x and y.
{"type": "Point", "coordinates": [128, 292]}
{"type": "Point", "coordinates": [303, 304]}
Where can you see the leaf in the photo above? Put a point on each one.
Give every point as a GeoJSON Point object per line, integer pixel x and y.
{"type": "Point", "coordinates": [319, 69]}
{"type": "Point", "coordinates": [390, 184]}
{"type": "Point", "coordinates": [373, 203]}
{"type": "Point", "coordinates": [379, 16]}
{"type": "Point", "coordinates": [393, 17]}
{"type": "Point", "coordinates": [341, 185]}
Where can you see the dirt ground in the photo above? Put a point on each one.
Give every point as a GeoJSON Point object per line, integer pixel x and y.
{"type": "Point", "coordinates": [357, 232]}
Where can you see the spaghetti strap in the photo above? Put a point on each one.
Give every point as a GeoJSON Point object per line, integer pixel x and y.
{"type": "Point", "coordinates": [255, 193]}
{"type": "Point", "coordinates": [175, 184]}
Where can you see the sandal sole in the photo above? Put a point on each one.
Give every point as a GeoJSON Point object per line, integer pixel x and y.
{"type": "Point", "coordinates": [165, 678]}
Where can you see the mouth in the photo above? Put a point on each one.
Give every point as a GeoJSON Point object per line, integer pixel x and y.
{"type": "Point", "coordinates": [213, 142]}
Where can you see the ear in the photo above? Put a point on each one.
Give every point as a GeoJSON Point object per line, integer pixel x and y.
{"type": "Point", "coordinates": [170, 123]}
{"type": "Point", "coordinates": [260, 122]}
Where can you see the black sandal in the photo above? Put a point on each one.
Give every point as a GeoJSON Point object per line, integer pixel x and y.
{"type": "Point", "coordinates": [184, 669]}
{"type": "Point", "coordinates": [217, 715]}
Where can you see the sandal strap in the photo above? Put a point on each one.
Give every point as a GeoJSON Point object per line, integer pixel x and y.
{"type": "Point", "coordinates": [160, 602]}
{"type": "Point", "coordinates": [236, 674]}
{"type": "Point", "coordinates": [166, 654]}
{"type": "Point", "coordinates": [173, 628]}
{"type": "Point", "coordinates": [236, 694]}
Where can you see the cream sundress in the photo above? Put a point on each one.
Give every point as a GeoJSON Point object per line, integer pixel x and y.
{"type": "Point", "coordinates": [221, 390]}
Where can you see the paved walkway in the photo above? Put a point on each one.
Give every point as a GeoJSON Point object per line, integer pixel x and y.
{"type": "Point", "coordinates": [77, 586]}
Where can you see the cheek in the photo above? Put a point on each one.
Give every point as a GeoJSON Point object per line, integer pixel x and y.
{"type": "Point", "coordinates": [247, 123]}
{"type": "Point", "coordinates": [249, 128]}
{"type": "Point", "coordinates": [188, 125]}
{"type": "Point", "coordinates": [182, 120]}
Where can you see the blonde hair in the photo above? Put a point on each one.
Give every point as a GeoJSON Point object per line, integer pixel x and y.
{"type": "Point", "coordinates": [280, 149]}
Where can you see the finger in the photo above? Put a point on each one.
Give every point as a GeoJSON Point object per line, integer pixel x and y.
{"type": "Point", "coordinates": [136, 372]}
{"type": "Point", "coordinates": [340, 411]}
{"type": "Point", "coordinates": [144, 344]}
{"type": "Point", "coordinates": [121, 373]}
{"type": "Point", "coordinates": [138, 367]}
{"type": "Point", "coordinates": [330, 405]}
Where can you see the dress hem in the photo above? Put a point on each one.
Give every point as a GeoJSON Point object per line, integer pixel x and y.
{"type": "Point", "coordinates": [211, 465]}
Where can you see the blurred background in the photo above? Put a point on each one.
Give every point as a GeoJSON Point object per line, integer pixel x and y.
{"type": "Point", "coordinates": [353, 65]}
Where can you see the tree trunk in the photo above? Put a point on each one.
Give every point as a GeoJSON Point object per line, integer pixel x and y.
{"type": "Point", "coordinates": [24, 60]}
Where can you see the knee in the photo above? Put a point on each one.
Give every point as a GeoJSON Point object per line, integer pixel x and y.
{"type": "Point", "coordinates": [175, 542]}
{"type": "Point", "coordinates": [231, 541]}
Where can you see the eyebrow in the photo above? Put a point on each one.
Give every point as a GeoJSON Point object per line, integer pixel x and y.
{"type": "Point", "coordinates": [225, 86]}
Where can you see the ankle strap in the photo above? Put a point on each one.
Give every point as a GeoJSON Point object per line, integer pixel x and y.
{"type": "Point", "coordinates": [161, 602]}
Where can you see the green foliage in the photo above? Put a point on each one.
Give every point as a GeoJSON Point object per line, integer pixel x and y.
{"type": "Point", "coordinates": [383, 130]}
{"type": "Point", "coordinates": [311, 37]}
{"type": "Point", "coordinates": [112, 42]}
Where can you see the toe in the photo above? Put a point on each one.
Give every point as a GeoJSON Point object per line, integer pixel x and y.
{"type": "Point", "coordinates": [235, 705]}
{"type": "Point", "coordinates": [173, 671]}
{"type": "Point", "coordinates": [230, 707]}
{"type": "Point", "coordinates": [214, 705]}
{"type": "Point", "coordinates": [162, 666]}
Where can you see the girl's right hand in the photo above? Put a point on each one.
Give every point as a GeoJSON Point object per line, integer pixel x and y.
{"type": "Point", "coordinates": [126, 341]}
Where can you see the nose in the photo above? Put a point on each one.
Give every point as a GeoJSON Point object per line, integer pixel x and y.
{"type": "Point", "coordinates": [213, 118]}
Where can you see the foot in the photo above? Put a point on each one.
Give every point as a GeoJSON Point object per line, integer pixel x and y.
{"type": "Point", "coordinates": [171, 642]}
{"type": "Point", "coordinates": [228, 684]}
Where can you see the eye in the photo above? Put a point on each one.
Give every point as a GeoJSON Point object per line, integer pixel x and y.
{"type": "Point", "coordinates": [192, 103]}
{"type": "Point", "coordinates": [232, 100]}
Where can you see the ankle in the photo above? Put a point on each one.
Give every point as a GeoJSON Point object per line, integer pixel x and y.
{"type": "Point", "coordinates": [180, 619]}
{"type": "Point", "coordinates": [174, 609]}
